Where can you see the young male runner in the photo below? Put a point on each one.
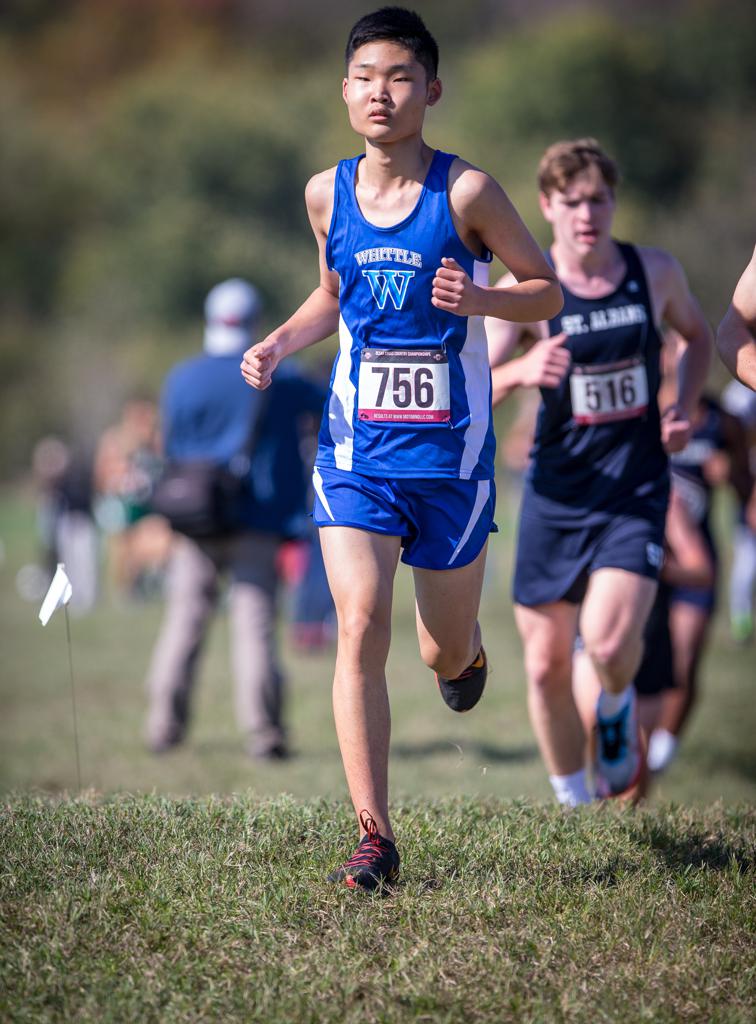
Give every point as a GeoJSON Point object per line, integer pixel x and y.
{"type": "Point", "coordinates": [592, 517]}
{"type": "Point", "coordinates": [405, 458]}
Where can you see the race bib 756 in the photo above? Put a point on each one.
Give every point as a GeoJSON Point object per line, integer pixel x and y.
{"type": "Point", "coordinates": [404, 386]}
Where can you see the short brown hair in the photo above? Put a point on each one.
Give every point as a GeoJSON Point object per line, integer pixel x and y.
{"type": "Point", "coordinates": [565, 160]}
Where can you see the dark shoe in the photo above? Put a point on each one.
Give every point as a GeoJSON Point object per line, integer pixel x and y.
{"type": "Point", "coordinates": [464, 692]}
{"type": "Point", "coordinates": [278, 752]}
{"type": "Point", "coordinates": [163, 744]}
{"type": "Point", "coordinates": [374, 863]}
{"type": "Point", "coordinates": [161, 740]}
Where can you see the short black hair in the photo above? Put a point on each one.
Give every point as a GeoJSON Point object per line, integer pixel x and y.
{"type": "Point", "coordinates": [400, 26]}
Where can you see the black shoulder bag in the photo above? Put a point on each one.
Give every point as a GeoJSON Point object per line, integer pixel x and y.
{"type": "Point", "coordinates": [201, 498]}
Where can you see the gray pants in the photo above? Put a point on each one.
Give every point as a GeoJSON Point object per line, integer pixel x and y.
{"type": "Point", "coordinates": [193, 585]}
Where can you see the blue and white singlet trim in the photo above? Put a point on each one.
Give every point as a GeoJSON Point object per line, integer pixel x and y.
{"type": "Point", "coordinates": [410, 387]}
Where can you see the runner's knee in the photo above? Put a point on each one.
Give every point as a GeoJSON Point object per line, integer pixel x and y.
{"type": "Point", "coordinates": [362, 630]}
{"type": "Point", "coordinates": [615, 656]}
{"type": "Point", "coordinates": [450, 660]}
{"type": "Point", "coordinates": [547, 670]}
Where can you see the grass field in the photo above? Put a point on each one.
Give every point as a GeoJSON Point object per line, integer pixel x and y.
{"type": "Point", "coordinates": [149, 909]}
{"type": "Point", "coordinates": [190, 887]}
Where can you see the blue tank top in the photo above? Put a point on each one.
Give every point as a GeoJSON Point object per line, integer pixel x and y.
{"type": "Point", "coordinates": [597, 449]}
{"type": "Point", "coordinates": [410, 387]}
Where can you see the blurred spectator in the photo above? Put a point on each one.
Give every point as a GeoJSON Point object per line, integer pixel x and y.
{"type": "Point", "coordinates": [65, 523]}
{"type": "Point", "coordinates": [210, 416]}
{"type": "Point", "coordinates": [127, 464]}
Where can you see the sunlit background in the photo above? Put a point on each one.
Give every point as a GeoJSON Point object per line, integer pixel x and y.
{"type": "Point", "coordinates": [152, 147]}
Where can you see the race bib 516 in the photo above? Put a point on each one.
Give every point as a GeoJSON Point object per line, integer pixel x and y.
{"type": "Point", "coordinates": [612, 391]}
{"type": "Point", "coordinates": [404, 385]}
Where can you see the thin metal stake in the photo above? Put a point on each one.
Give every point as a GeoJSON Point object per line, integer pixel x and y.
{"type": "Point", "coordinates": [73, 697]}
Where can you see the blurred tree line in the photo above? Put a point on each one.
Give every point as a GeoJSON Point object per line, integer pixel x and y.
{"type": "Point", "coordinates": [153, 147]}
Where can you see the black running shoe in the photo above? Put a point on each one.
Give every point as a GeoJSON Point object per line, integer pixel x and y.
{"type": "Point", "coordinates": [375, 862]}
{"type": "Point", "coordinates": [464, 692]}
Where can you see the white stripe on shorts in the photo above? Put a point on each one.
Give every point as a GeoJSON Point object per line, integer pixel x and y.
{"type": "Point", "coordinates": [317, 483]}
{"type": "Point", "coordinates": [484, 491]}
{"type": "Point", "coordinates": [341, 402]}
{"type": "Point", "coordinates": [477, 375]}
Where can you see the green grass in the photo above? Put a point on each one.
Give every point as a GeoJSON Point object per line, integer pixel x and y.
{"type": "Point", "coordinates": [150, 909]}
{"type": "Point", "coordinates": [147, 898]}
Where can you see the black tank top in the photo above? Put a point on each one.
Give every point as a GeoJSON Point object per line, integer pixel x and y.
{"type": "Point", "coordinates": [597, 450]}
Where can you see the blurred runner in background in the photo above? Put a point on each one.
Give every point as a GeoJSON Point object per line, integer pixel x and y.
{"type": "Point", "coordinates": [715, 456]}
{"type": "Point", "coordinates": [595, 499]}
{"type": "Point", "coordinates": [127, 464]}
{"type": "Point", "coordinates": [65, 523]}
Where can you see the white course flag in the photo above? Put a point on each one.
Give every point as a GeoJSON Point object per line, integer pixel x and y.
{"type": "Point", "coordinates": [59, 594]}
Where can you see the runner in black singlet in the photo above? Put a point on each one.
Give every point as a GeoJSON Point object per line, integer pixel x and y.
{"type": "Point", "coordinates": [592, 520]}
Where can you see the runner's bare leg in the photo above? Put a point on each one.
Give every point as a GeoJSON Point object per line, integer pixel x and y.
{"type": "Point", "coordinates": [612, 621]}
{"type": "Point", "coordinates": [447, 603]}
{"type": "Point", "coordinates": [361, 568]}
{"type": "Point", "coordinates": [548, 636]}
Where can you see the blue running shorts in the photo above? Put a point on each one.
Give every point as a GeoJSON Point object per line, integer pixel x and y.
{"type": "Point", "coordinates": [704, 598]}
{"type": "Point", "coordinates": [554, 561]}
{"type": "Point", "coordinates": [443, 523]}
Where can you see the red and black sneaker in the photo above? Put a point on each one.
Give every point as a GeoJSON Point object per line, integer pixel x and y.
{"type": "Point", "coordinates": [375, 862]}
{"type": "Point", "coordinates": [464, 692]}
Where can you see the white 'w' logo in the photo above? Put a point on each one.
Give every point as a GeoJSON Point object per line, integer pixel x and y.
{"type": "Point", "coordinates": [386, 284]}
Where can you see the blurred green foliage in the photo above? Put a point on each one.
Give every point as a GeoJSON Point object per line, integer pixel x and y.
{"type": "Point", "coordinates": [151, 149]}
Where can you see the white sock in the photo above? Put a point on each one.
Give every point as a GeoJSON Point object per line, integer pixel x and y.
{"type": "Point", "coordinates": [610, 704]}
{"type": "Point", "coordinates": [571, 790]}
{"type": "Point", "coordinates": [662, 748]}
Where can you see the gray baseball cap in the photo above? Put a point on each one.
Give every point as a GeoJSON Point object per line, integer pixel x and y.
{"type": "Point", "coordinates": [232, 310]}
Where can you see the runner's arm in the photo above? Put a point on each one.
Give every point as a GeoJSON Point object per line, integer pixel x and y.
{"type": "Point", "coordinates": [543, 364]}
{"type": "Point", "coordinates": [736, 336]}
{"type": "Point", "coordinates": [486, 216]}
{"type": "Point", "coordinates": [318, 316]}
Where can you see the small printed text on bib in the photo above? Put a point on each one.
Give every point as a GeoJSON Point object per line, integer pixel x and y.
{"type": "Point", "coordinates": [404, 386]}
